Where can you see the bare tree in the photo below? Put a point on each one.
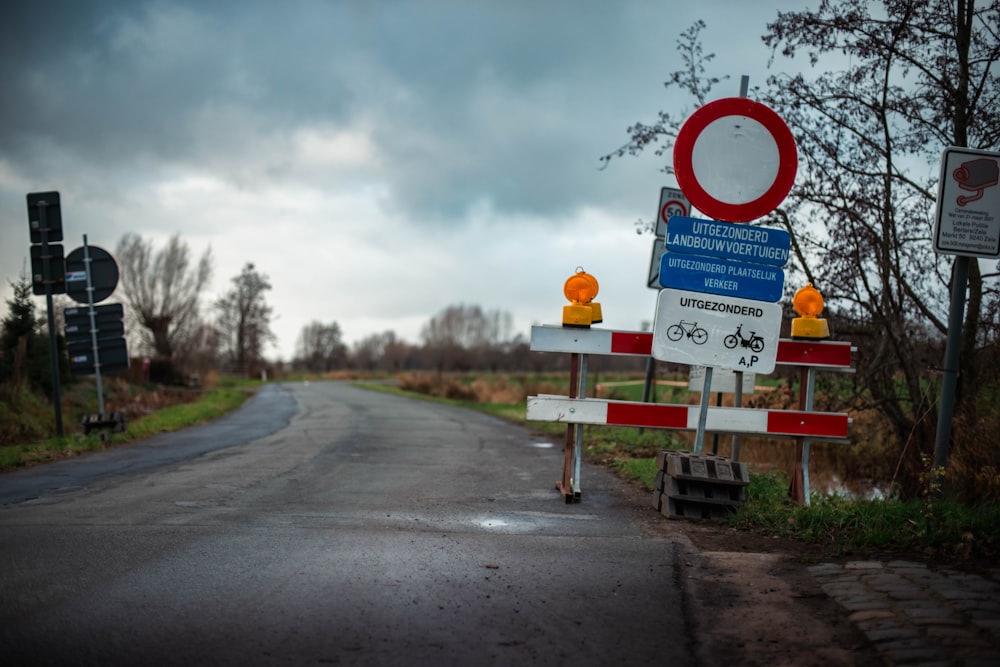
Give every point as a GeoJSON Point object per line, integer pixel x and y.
{"type": "Point", "coordinates": [892, 85]}
{"type": "Point", "coordinates": [321, 347]}
{"type": "Point", "coordinates": [162, 290]}
{"type": "Point", "coordinates": [384, 351]}
{"type": "Point", "coordinates": [245, 320]}
{"type": "Point", "coordinates": [461, 336]}
{"type": "Point", "coordinates": [923, 77]}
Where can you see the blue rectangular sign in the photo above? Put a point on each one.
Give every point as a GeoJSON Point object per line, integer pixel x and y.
{"type": "Point", "coordinates": [760, 245]}
{"type": "Point", "coordinates": [725, 277]}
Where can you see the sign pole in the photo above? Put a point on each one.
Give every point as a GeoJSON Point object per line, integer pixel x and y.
{"type": "Point", "coordinates": [968, 176]}
{"type": "Point", "coordinates": [949, 379]}
{"type": "Point", "coordinates": [93, 328]}
{"type": "Point", "coordinates": [578, 446]}
{"type": "Point", "coordinates": [699, 438]}
{"type": "Point", "coordinates": [738, 403]}
{"type": "Point", "coordinates": [53, 347]}
{"type": "Point", "coordinates": [565, 485]}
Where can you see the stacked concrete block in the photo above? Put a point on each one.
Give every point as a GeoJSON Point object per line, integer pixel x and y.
{"type": "Point", "coordinates": [700, 486]}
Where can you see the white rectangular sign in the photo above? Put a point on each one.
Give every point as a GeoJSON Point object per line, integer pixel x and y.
{"type": "Point", "coordinates": [672, 202]}
{"type": "Point", "coordinates": [717, 331]}
{"type": "Point", "coordinates": [968, 206]}
{"type": "Point", "coordinates": [723, 381]}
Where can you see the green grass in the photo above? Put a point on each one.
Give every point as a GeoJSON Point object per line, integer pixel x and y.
{"type": "Point", "coordinates": [211, 404]}
{"type": "Point", "coordinates": [850, 525]}
{"type": "Point", "coordinates": [642, 470]}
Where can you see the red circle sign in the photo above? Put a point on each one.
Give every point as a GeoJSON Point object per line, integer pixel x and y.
{"type": "Point", "coordinates": [672, 203]}
{"type": "Point", "coordinates": [735, 159]}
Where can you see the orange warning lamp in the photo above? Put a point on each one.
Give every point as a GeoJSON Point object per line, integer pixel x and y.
{"type": "Point", "coordinates": [808, 303]}
{"type": "Point", "coordinates": [580, 289]}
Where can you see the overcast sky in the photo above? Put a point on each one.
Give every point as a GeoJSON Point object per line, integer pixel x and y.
{"type": "Point", "coordinates": [378, 161]}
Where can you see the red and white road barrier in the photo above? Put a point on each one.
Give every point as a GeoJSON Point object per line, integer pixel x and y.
{"type": "Point", "coordinates": [808, 354]}
{"type": "Point", "coordinates": [745, 421]}
{"type": "Point", "coordinates": [826, 355]}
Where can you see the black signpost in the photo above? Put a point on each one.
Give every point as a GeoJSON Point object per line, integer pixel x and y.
{"type": "Point", "coordinates": [95, 335]}
{"type": "Point", "coordinates": [45, 228]}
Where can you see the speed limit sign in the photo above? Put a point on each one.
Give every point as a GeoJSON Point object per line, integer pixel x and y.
{"type": "Point", "coordinates": [672, 202]}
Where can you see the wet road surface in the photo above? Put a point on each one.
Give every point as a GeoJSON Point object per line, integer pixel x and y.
{"type": "Point", "coordinates": [324, 524]}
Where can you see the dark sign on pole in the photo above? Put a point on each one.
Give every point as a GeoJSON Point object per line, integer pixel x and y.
{"type": "Point", "coordinates": [82, 332]}
{"type": "Point", "coordinates": [50, 221]}
{"type": "Point", "coordinates": [52, 272]}
{"type": "Point", "coordinates": [113, 355]}
{"type": "Point", "coordinates": [103, 274]}
{"type": "Point", "coordinates": [108, 314]}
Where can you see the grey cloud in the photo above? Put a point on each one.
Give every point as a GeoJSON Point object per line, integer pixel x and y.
{"type": "Point", "coordinates": [122, 83]}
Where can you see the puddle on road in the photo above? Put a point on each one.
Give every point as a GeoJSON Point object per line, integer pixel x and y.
{"type": "Point", "coordinates": [542, 445]}
{"type": "Point", "coordinates": [523, 522]}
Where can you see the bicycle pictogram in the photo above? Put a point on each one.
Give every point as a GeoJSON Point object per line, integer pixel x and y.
{"type": "Point", "coordinates": [697, 334]}
{"type": "Point", "coordinates": [754, 342]}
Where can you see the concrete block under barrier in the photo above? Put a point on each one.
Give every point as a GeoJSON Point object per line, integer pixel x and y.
{"type": "Point", "coordinates": [698, 486]}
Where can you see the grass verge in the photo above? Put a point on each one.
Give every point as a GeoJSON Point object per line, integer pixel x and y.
{"type": "Point", "coordinates": [211, 404]}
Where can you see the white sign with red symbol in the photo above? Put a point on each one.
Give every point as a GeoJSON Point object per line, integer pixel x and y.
{"type": "Point", "coordinates": [672, 202]}
{"type": "Point", "coordinates": [968, 205]}
{"type": "Point", "coordinates": [735, 159]}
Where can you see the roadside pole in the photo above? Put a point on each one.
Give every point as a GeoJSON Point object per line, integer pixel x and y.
{"type": "Point", "coordinates": [966, 225]}
{"type": "Point", "coordinates": [949, 377]}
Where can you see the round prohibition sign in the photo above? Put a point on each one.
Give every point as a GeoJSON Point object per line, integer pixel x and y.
{"type": "Point", "coordinates": [735, 159]}
{"type": "Point", "coordinates": [671, 208]}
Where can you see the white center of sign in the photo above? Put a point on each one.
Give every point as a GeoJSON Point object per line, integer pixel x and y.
{"type": "Point", "coordinates": [736, 159]}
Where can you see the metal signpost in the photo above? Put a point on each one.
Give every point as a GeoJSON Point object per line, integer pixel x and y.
{"type": "Point", "coordinates": [45, 228]}
{"type": "Point", "coordinates": [735, 160]}
{"type": "Point", "coordinates": [673, 203]}
{"type": "Point", "coordinates": [95, 337]}
{"type": "Point", "coordinates": [967, 225]}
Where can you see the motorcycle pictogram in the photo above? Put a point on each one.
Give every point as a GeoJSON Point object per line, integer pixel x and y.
{"type": "Point", "coordinates": [754, 342]}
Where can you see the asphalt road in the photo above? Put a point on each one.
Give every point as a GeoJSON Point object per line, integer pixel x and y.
{"type": "Point", "coordinates": [324, 524]}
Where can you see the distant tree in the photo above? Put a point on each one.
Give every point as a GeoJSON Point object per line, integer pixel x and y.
{"type": "Point", "coordinates": [244, 320]}
{"type": "Point", "coordinates": [19, 334]}
{"type": "Point", "coordinates": [163, 290]}
{"type": "Point", "coordinates": [320, 347]}
{"type": "Point", "coordinates": [462, 336]}
{"type": "Point", "coordinates": [24, 349]}
{"type": "Point", "coordinates": [383, 351]}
